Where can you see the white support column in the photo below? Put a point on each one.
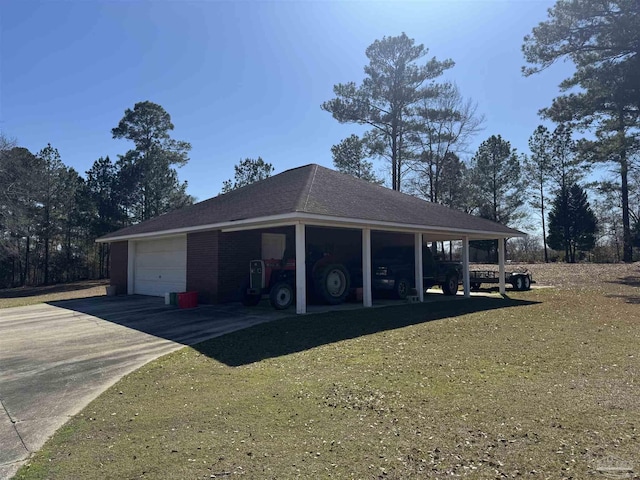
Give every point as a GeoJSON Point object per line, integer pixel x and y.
{"type": "Point", "coordinates": [131, 265]}
{"type": "Point", "coordinates": [465, 267]}
{"type": "Point", "coordinates": [501, 265]}
{"type": "Point", "coordinates": [418, 267]}
{"type": "Point", "coordinates": [301, 269]}
{"type": "Point", "coordinates": [367, 298]}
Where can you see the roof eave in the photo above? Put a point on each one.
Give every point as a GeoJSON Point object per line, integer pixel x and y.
{"type": "Point", "coordinates": [321, 220]}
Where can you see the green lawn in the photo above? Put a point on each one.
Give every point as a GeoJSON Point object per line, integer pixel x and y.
{"type": "Point", "coordinates": [541, 385]}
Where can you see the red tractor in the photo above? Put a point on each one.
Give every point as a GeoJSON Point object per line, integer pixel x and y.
{"type": "Point", "coordinates": [327, 280]}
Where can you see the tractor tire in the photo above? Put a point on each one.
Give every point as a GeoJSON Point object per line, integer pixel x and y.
{"type": "Point", "coordinates": [450, 285]}
{"type": "Point", "coordinates": [527, 283]}
{"type": "Point", "coordinates": [247, 299]}
{"type": "Point", "coordinates": [401, 288]}
{"type": "Point", "coordinates": [281, 296]}
{"type": "Point", "coordinates": [331, 283]}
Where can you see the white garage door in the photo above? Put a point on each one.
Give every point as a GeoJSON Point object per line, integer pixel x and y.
{"type": "Point", "coordinates": [160, 266]}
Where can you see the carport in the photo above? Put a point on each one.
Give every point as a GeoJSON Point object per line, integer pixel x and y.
{"type": "Point", "coordinates": [207, 246]}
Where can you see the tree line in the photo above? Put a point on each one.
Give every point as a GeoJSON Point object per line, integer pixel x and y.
{"type": "Point", "coordinates": [50, 215]}
{"type": "Point", "coordinates": [415, 125]}
{"type": "Point", "coordinates": [421, 128]}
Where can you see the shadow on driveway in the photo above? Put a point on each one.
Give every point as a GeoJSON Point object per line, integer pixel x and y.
{"type": "Point", "coordinates": [186, 326]}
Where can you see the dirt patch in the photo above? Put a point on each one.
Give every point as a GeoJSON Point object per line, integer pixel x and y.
{"type": "Point", "coordinates": [606, 276]}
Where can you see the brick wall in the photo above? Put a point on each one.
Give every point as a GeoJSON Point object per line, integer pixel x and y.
{"type": "Point", "coordinates": [119, 266]}
{"type": "Point", "coordinates": [345, 244]}
{"type": "Point", "coordinates": [237, 249]}
{"type": "Point", "coordinates": [203, 264]}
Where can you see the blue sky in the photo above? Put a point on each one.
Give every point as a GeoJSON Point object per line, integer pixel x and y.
{"type": "Point", "coordinates": [245, 79]}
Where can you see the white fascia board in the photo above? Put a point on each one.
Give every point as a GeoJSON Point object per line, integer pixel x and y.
{"type": "Point", "coordinates": [252, 224]}
{"type": "Point", "coordinates": [288, 219]}
{"type": "Point", "coordinates": [451, 233]}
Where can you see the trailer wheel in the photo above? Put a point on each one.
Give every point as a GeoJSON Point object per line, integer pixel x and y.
{"type": "Point", "coordinates": [527, 283]}
{"type": "Point", "coordinates": [402, 288]}
{"type": "Point", "coordinates": [281, 296]}
{"type": "Point", "coordinates": [518, 283]}
{"type": "Point", "coordinates": [332, 283]}
{"type": "Point", "coordinates": [450, 285]}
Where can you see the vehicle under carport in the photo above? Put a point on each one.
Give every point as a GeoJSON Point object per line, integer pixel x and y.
{"type": "Point", "coordinates": [307, 205]}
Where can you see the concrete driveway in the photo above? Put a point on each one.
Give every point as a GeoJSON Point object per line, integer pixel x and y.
{"type": "Point", "coordinates": [55, 358]}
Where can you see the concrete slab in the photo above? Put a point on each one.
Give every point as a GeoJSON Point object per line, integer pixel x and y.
{"type": "Point", "coordinates": [55, 358]}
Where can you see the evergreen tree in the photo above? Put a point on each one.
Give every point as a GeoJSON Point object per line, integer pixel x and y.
{"type": "Point", "coordinates": [147, 172]}
{"type": "Point", "coordinates": [248, 171]}
{"type": "Point", "coordinates": [601, 39]}
{"type": "Point", "coordinates": [455, 189]}
{"type": "Point", "coordinates": [396, 81]}
{"type": "Point", "coordinates": [572, 223]}
{"type": "Point", "coordinates": [497, 185]}
{"type": "Point", "coordinates": [50, 200]}
{"type": "Point", "coordinates": [349, 157]}
{"type": "Point", "coordinates": [497, 182]}
{"type": "Point", "coordinates": [538, 167]}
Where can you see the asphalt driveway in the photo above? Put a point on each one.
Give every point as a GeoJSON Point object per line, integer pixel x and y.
{"type": "Point", "coordinates": [55, 358]}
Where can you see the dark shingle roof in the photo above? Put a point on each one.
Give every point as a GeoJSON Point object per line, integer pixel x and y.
{"type": "Point", "coordinates": [313, 189]}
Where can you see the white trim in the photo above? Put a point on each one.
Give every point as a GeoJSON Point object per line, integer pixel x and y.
{"type": "Point", "coordinates": [501, 265]}
{"type": "Point", "coordinates": [301, 269]}
{"type": "Point", "coordinates": [465, 267]}
{"type": "Point", "coordinates": [419, 274]}
{"type": "Point", "coordinates": [367, 296]}
{"type": "Point", "coordinates": [288, 219]}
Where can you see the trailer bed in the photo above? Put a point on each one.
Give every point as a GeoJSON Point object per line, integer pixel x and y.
{"type": "Point", "coordinates": [519, 279]}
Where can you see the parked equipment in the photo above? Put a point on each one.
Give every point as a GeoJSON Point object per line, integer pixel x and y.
{"type": "Point", "coordinates": [330, 281]}
{"type": "Point", "coordinates": [394, 266]}
{"type": "Point", "coordinates": [520, 280]}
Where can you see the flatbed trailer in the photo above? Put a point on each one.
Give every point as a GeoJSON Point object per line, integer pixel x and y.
{"type": "Point", "coordinates": [520, 280]}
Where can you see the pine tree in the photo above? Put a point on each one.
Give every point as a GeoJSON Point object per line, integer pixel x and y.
{"type": "Point", "coordinates": [349, 157]}
{"type": "Point", "coordinates": [572, 223]}
{"type": "Point", "coordinates": [397, 79]}
{"type": "Point", "coordinates": [248, 171]}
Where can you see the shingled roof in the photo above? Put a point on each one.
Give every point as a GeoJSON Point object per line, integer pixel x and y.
{"type": "Point", "coordinates": [314, 192]}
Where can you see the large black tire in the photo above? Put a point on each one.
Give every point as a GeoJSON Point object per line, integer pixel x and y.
{"type": "Point", "coordinates": [518, 283]}
{"type": "Point", "coordinates": [331, 283]}
{"type": "Point", "coordinates": [450, 285]}
{"type": "Point", "coordinates": [401, 288]}
{"type": "Point", "coordinates": [281, 296]}
{"type": "Point", "coordinates": [247, 299]}
{"type": "Point", "coordinates": [527, 283]}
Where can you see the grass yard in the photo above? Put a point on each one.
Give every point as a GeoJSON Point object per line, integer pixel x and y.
{"type": "Point", "coordinates": [21, 296]}
{"type": "Point", "coordinates": [541, 385]}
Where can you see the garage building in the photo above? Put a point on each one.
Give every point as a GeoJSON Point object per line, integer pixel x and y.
{"type": "Point", "coordinates": [207, 247]}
